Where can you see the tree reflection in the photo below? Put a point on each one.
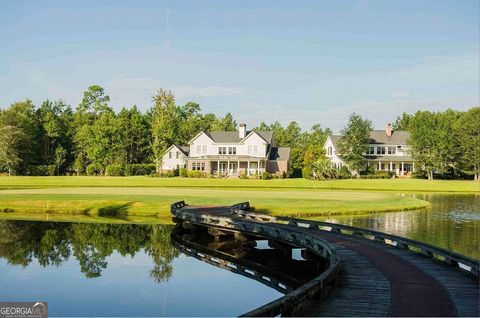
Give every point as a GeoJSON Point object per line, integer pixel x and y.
{"type": "Point", "coordinates": [51, 244]}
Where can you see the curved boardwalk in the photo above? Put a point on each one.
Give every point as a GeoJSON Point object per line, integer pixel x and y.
{"type": "Point", "coordinates": [376, 279]}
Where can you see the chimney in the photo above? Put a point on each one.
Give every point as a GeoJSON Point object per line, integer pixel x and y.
{"type": "Point", "coordinates": [242, 130]}
{"type": "Point", "coordinates": [389, 129]}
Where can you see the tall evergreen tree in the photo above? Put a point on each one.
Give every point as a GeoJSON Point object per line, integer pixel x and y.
{"type": "Point", "coordinates": [165, 124]}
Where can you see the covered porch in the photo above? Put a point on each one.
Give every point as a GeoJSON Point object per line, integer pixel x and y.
{"type": "Point", "coordinates": [237, 167]}
{"type": "Point", "coordinates": [400, 168]}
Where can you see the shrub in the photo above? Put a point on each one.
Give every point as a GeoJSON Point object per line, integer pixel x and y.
{"type": "Point", "coordinates": [183, 172]}
{"type": "Point", "coordinates": [306, 173]}
{"type": "Point", "coordinates": [93, 169]}
{"type": "Point", "coordinates": [196, 174]}
{"type": "Point", "coordinates": [243, 176]}
{"type": "Point", "coordinates": [266, 175]}
{"type": "Point", "coordinates": [140, 169]}
{"type": "Point", "coordinates": [115, 170]}
{"type": "Point", "coordinates": [42, 170]}
{"type": "Point", "coordinates": [295, 173]}
{"type": "Point", "coordinates": [344, 172]}
{"type": "Point", "coordinates": [284, 175]}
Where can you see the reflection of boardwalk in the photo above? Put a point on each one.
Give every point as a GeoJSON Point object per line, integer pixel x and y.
{"type": "Point", "coordinates": [273, 267]}
{"type": "Point", "coordinates": [376, 279]}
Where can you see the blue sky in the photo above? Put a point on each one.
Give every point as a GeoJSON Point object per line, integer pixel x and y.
{"type": "Point", "coordinates": [309, 61]}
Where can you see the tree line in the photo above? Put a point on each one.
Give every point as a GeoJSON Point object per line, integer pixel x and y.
{"type": "Point", "coordinates": [56, 139]}
{"type": "Point", "coordinates": [445, 143]}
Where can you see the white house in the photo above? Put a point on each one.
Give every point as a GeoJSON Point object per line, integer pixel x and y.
{"type": "Point", "coordinates": [387, 151]}
{"type": "Point", "coordinates": [175, 157]}
{"type": "Point", "coordinates": [231, 153]}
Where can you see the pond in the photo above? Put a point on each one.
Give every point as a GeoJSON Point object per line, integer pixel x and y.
{"type": "Point", "coordinates": [116, 270]}
{"type": "Point", "coordinates": [84, 269]}
{"type": "Point", "coordinates": [452, 222]}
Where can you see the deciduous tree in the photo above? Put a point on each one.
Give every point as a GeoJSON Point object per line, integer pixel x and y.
{"type": "Point", "coordinates": [353, 143]}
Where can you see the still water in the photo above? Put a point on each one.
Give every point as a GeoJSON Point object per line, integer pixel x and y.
{"type": "Point", "coordinates": [136, 270]}
{"type": "Point", "coordinates": [116, 270]}
{"type": "Point", "coordinates": [452, 222]}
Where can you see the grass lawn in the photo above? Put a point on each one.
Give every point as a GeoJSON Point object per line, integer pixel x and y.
{"type": "Point", "coordinates": [146, 199]}
{"type": "Point", "coordinates": [413, 185]}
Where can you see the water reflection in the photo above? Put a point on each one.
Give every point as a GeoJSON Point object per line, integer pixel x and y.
{"type": "Point", "coordinates": [52, 244]}
{"type": "Point", "coordinates": [452, 222]}
{"type": "Point", "coordinates": [281, 266]}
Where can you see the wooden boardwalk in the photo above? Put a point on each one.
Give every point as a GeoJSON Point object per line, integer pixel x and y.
{"type": "Point", "coordinates": [375, 278]}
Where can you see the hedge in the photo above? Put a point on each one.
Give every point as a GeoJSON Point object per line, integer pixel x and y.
{"type": "Point", "coordinates": [140, 169]}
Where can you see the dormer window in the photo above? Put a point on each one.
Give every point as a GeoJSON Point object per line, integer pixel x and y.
{"type": "Point", "coordinates": [371, 150]}
{"type": "Point", "coordinates": [330, 151]}
{"type": "Point", "coordinates": [392, 150]}
{"type": "Point", "coordinates": [222, 150]}
{"type": "Point", "coordinates": [232, 150]}
{"type": "Point", "coordinates": [380, 150]}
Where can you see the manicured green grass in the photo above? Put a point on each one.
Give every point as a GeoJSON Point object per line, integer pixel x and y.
{"type": "Point", "coordinates": [85, 202]}
{"type": "Point", "coordinates": [414, 185]}
{"type": "Point", "coordinates": [146, 199]}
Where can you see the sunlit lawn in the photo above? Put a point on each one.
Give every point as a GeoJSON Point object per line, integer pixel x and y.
{"type": "Point", "coordinates": [415, 185]}
{"type": "Point", "coordinates": [108, 201]}
{"type": "Point", "coordinates": [85, 198]}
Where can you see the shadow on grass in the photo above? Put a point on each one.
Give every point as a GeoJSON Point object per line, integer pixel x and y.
{"type": "Point", "coordinates": [114, 210]}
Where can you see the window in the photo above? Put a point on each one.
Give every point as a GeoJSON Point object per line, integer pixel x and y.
{"type": "Point", "coordinates": [200, 166]}
{"type": "Point", "coordinates": [204, 149]}
{"type": "Point", "coordinates": [380, 150]}
{"type": "Point", "coordinates": [371, 150]}
{"type": "Point", "coordinates": [178, 154]}
{"type": "Point", "coordinates": [170, 155]}
{"type": "Point", "coordinates": [249, 149]}
{"type": "Point", "coordinates": [330, 151]}
{"type": "Point", "coordinates": [392, 150]}
{"type": "Point", "coordinates": [222, 150]}
{"type": "Point", "coordinates": [232, 150]}
{"type": "Point", "coordinates": [199, 149]}
{"type": "Point", "coordinates": [255, 150]}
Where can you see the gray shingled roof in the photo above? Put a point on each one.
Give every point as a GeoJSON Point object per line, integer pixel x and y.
{"type": "Point", "coordinates": [184, 149]}
{"type": "Point", "coordinates": [280, 153]}
{"type": "Point", "coordinates": [380, 137]}
{"type": "Point", "coordinates": [233, 136]}
{"type": "Point", "coordinates": [397, 138]}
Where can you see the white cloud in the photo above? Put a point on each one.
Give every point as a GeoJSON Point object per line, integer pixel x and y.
{"type": "Point", "coordinates": [129, 91]}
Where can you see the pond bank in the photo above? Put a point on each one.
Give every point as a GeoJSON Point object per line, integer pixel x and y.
{"type": "Point", "coordinates": [108, 202]}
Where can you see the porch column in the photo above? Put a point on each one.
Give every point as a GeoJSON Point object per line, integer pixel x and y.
{"type": "Point", "coordinates": [379, 165]}
{"type": "Point", "coordinates": [391, 166]}
{"type": "Point", "coordinates": [238, 167]}
{"type": "Point", "coordinates": [403, 169]}
{"type": "Point", "coordinates": [413, 166]}
{"type": "Point", "coordinates": [248, 168]}
{"type": "Point", "coordinates": [228, 167]}
{"type": "Point", "coordinates": [218, 167]}
{"type": "Point", "coordinates": [258, 167]}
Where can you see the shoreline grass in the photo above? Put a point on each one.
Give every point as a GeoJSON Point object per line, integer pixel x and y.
{"type": "Point", "coordinates": [155, 202]}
